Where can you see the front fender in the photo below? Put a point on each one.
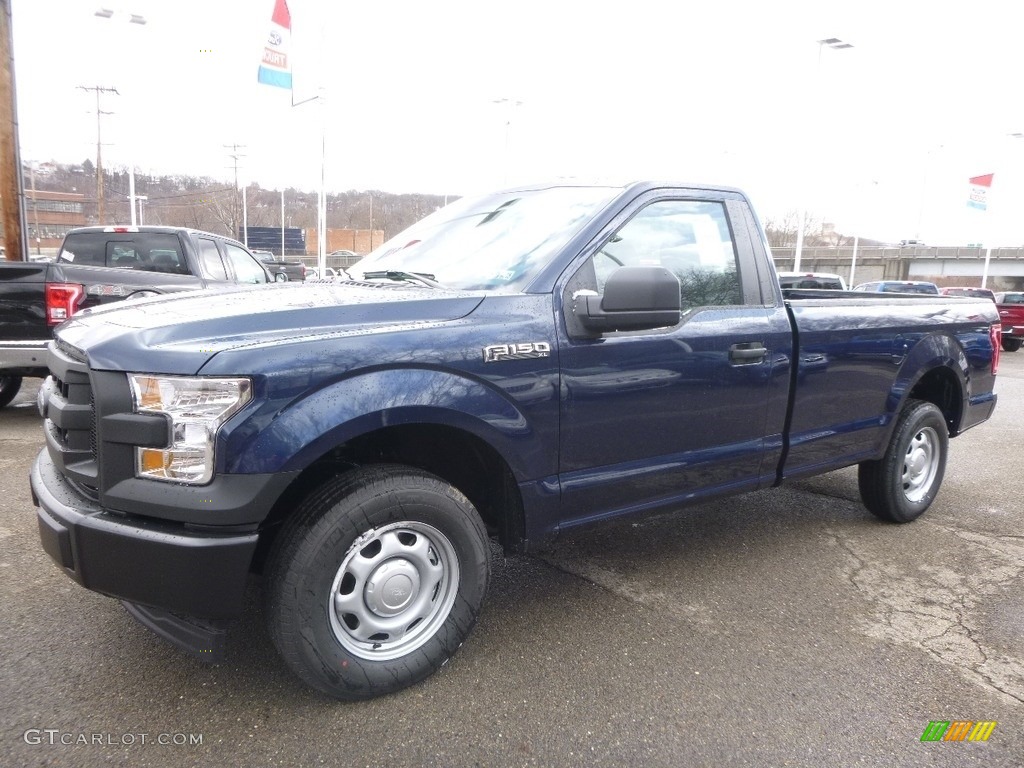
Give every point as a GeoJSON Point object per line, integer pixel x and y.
{"type": "Point", "coordinates": [314, 424]}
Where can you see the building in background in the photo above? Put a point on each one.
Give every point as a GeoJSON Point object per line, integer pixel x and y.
{"type": "Point", "coordinates": [49, 216]}
{"type": "Point", "coordinates": [359, 241]}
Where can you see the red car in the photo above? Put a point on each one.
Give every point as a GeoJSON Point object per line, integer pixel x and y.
{"type": "Point", "coordinates": [1011, 311]}
{"type": "Point", "coordinates": [974, 293]}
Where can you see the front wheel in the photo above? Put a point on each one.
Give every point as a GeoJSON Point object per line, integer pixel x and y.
{"type": "Point", "coordinates": [376, 581]}
{"type": "Point", "coordinates": [9, 386]}
{"type": "Point", "coordinates": [1010, 344]}
{"type": "Point", "coordinates": [901, 485]}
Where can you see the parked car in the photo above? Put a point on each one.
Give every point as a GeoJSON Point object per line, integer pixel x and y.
{"type": "Point", "coordinates": [899, 286]}
{"type": "Point", "coordinates": [812, 280]}
{"type": "Point", "coordinates": [361, 442]}
{"type": "Point", "coordinates": [974, 293]}
{"type": "Point", "coordinates": [312, 273]}
{"type": "Point", "coordinates": [344, 258]}
{"type": "Point", "coordinates": [100, 265]}
{"type": "Point", "coordinates": [1010, 305]}
{"type": "Point", "coordinates": [282, 270]}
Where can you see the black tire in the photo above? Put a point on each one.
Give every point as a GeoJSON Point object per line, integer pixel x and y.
{"type": "Point", "coordinates": [1010, 345]}
{"type": "Point", "coordinates": [376, 547]}
{"type": "Point", "coordinates": [901, 485]}
{"type": "Point", "coordinates": [281, 277]}
{"type": "Point", "coordinates": [9, 386]}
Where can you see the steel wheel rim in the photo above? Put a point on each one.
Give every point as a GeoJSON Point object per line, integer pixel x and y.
{"type": "Point", "coordinates": [394, 589]}
{"type": "Point", "coordinates": [920, 464]}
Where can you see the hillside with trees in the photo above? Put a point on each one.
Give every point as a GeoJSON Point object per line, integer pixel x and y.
{"type": "Point", "coordinates": [210, 205]}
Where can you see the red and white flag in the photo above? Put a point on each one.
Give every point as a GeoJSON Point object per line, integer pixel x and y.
{"type": "Point", "coordinates": [275, 68]}
{"type": "Point", "coordinates": [980, 186]}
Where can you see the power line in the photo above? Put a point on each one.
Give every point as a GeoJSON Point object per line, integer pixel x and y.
{"type": "Point", "coordinates": [235, 155]}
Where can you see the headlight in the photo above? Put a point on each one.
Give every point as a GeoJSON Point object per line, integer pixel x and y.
{"type": "Point", "coordinates": [197, 408]}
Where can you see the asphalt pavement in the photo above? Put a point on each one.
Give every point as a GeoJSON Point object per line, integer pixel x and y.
{"type": "Point", "coordinates": [787, 627]}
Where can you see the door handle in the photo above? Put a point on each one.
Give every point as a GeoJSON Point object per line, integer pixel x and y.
{"type": "Point", "coordinates": [747, 352]}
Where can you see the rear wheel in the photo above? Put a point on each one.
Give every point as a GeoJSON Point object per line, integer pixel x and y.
{"type": "Point", "coordinates": [376, 581]}
{"type": "Point", "coordinates": [1010, 344]}
{"type": "Point", "coordinates": [901, 485]}
{"type": "Point", "coordinates": [9, 386]}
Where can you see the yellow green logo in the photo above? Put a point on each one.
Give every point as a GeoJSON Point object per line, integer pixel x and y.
{"type": "Point", "coordinates": [958, 730]}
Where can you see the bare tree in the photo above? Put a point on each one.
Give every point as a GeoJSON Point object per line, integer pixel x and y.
{"type": "Point", "coordinates": [782, 231]}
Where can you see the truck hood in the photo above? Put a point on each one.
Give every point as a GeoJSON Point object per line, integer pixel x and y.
{"type": "Point", "coordinates": [179, 334]}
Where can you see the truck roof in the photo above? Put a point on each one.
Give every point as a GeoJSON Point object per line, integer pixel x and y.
{"type": "Point", "coordinates": [129, 229]}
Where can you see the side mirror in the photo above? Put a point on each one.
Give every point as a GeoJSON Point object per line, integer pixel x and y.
{"type": "Point", "coordinates": [635, 299]}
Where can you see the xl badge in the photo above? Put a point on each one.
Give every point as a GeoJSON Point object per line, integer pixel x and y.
{"type": "Point", "coordinates": [524, 350]}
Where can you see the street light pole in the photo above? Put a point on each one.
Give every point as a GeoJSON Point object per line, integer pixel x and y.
{"type": "Point", "coordinates": [988, 228]}
{"type": "Point", "coordinates": [511, 105]}
{"type": "Point", "coordinates": [133, 18]}
{"type": "Point", "coordinates": [837, 44]}
{"type": "Point", "coordinates": [856, 240]}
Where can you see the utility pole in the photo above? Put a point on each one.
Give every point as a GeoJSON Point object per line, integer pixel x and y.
{"type": "Point", "coordinates": [12, 183]}
{"type": "Point", "coordinates": [235, 156]}
{"type": "Point", "coordinates": [100, 210]}
{"type": "Point", "coordinates": [35, 204]}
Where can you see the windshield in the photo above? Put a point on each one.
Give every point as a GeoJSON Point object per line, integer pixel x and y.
{"type": "Point", "coordinates": [497, 243]}
{"type": "Point", "coordinates": [909, 288]}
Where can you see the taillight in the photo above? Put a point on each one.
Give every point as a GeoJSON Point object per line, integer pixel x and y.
{"type": "Point", "coordinates": [995, 332]}
{"type": "Point", "coordinates": [62, 300]}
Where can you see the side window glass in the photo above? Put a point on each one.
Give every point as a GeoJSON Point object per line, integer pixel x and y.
{"type": "Point", "coordinates": [690, 238]}
{"type": "Point", "coordinates": [247, 269]}
{"type": "Point", "coordinates": [210, 256]}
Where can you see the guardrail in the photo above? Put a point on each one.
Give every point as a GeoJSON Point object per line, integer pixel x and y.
{"type": "Point", "coordinates": [844, 254]}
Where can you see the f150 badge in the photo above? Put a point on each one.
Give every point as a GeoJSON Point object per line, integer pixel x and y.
{"type": "Point", "coordinates": [523, 350]}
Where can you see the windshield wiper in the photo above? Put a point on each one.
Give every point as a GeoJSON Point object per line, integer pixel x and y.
{"type": "Point", "coordinates": [424, 278]}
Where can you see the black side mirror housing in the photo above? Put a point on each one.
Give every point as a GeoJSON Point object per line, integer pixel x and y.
{"type": "Point", "coordinates": [635, 299]}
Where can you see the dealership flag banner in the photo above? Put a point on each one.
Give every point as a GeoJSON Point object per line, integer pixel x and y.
{"type": "Point", "coordinates": [275, 68]}
{"type": "Point", "coordinates": [980, 187]}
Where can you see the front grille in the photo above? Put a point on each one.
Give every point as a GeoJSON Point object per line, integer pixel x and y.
{"type": "Point", "coordinates": [92, 425]}
{"type": "Point", "coordinates": [72, 412]}
{"type": "Point", "coordinates": [71, 418]}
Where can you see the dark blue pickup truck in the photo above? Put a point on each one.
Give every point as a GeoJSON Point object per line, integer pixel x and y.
{"type": "Point", "coordinates": [512, 366]}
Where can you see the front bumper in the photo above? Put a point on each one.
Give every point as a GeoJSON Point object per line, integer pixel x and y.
{"type": "Point", "coordinates": [1015, 331]}
{"type": "Point", "coordinates": [163, 565]}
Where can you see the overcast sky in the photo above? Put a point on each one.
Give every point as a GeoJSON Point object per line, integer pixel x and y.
{"type": "Point", "coordinates": [880, 138]}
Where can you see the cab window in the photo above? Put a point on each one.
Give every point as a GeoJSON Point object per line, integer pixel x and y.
{"type": "Point", "coordinates": [690, 238]}
{"type": "Point", "coordinates": [209, 255]}
{"type": "Point", "coordinates": [247, 269]}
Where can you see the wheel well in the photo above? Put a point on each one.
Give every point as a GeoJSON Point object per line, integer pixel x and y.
{"type": "Point", "coordinates": [460, 458]}
{"type": "Point", "coordinates": [941, 387]}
